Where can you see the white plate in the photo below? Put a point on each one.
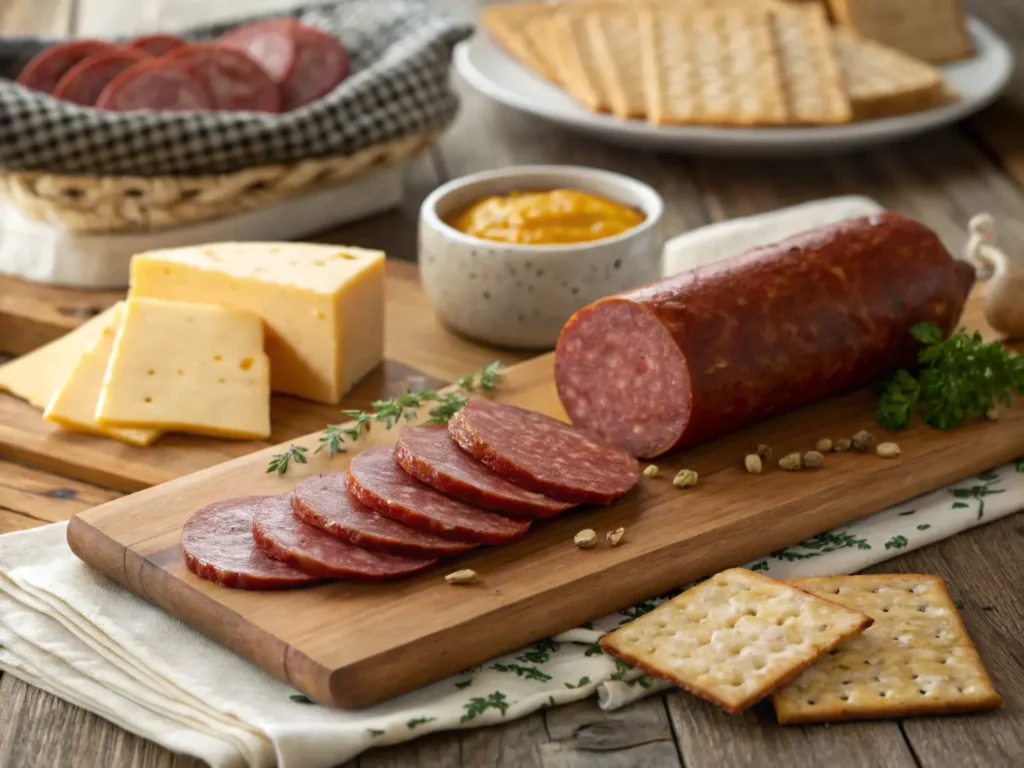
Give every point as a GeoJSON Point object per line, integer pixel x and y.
{"type": "Point", "coordinates": [979, 80]}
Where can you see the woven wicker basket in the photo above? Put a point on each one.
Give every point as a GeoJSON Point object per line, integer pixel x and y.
{"type": "Point", "coordinates": [124, 203]}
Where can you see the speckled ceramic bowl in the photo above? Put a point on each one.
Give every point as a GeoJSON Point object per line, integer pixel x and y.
{"type": "Point", "coordinates": [520, 296]}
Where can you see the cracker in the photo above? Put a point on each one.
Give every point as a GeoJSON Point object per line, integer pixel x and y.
{"type": "Point", "coordinates": [882, 81]}
{"type": "Point", "coordinates": [616, 44]}
{"type": "Point", "coordinates": [812, 79]}
{"type": "Point", "coordinates": [576, 61]}
{"type": "Point", "coordinates": [734, 638]}
{"type": "Point", "coordinates": [931, 30]}
{"type": "Point", "coordinates": [916, 659]}
{"type": "Point", "coordinates": [712, 67]}
{"type": "Point", "coordinates": [507, 23]}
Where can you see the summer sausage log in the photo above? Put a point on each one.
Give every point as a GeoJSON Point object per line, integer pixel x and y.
{"type": "Point", "coordinates": [217, 545]}
{"type": "Point", "coordinates": [543, 454]}
{"type": "Point", "coordinates": [714, 350]}
{"type": "Point", "coordinates": [429, 454]}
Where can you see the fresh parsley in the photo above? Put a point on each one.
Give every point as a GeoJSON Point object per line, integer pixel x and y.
{"type": "Point", "coordinates": [960, 377]}
{"type": "Point", "coordinates": [280, 462]}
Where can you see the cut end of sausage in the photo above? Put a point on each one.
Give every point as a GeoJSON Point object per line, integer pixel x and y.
{"type": "Point", "coordinates": [621, 376]}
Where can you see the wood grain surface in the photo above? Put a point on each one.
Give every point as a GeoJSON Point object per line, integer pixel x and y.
{"type": "Point", "coordinates": [943, 178]}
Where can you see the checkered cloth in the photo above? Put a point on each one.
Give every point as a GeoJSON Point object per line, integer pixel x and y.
{"type": "Point", "coordinates": [400, 52]}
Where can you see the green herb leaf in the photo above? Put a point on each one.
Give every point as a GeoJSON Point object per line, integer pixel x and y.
{"type": "Point", "coordinates": [529, 673]}
{"type": "Point", "coordinates": [464, 683]}
{"type": "Point", "coordinates": [583, 681]}
{"type": "Point", "coordinates": [300, 698]}
{"type": "Point", "coordinates": [419, 721]}
{"type": "Point", "coordinates": [594, 649]}
{"type": "Point", "coordinates": [959, 604]}
{"type": "Point", "coordinates": [924, 526]}
{"type": "Point", "coordinates": [447, 406]}
{"type": "Point", "coordinates": [331, 440]}
{"type": "Point", "coordinates": [760, 565]}
{"type": "Point", "coordinates": [896, 404]}
{"type": "Point", "coordinates": [480, 704]}
{"type": "Point", "coordinates": [280, 462]}
{"type": "Point", "coordinates": [896, 542]}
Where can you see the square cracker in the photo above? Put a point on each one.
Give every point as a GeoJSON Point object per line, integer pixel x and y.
{"type": "Point", "coordinates": [508, 23]}
{"type": "Point", "coordinates": [931, 30]}
{"type": "Point", "coordinates": [882, 81]}
{"type": "Point", "coordinates": [812, 79]}
{"type": "Point", "coordinates": [711, 67]}
{"type": "Point", "coordinates": [734, 638]}
{"type": "Point", "coordinates": [916, 659]}
{"type": "Point", "coordinates": [615, 41]}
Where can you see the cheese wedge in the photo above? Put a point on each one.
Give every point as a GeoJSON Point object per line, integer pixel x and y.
{"type": "Point", "coordinates": [73, 406]}
{"type": "Point", "coordinates": [323, 305]}
{"type": "Point", "coordinates": [37, 376]}
{"type": "Point", "coordinates": [185, 367]}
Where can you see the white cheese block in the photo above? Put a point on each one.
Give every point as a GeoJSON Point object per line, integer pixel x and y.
{"type": "Point", "coordinates": [185, 367]}
{"type": "Point", "coordinates": [323, 305]}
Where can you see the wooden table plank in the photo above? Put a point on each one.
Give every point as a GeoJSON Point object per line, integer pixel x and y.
{"type": "Point", "coordinates": [44, 496]}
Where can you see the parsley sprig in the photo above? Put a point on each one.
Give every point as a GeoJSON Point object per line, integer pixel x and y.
{"type": "Point", "coordinates": [960, 377]}
{"type": "Point", "coordinates": [388, 413]}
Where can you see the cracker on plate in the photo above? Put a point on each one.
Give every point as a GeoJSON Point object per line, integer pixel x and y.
{"type": "Point", "coordinates": [931, 30]}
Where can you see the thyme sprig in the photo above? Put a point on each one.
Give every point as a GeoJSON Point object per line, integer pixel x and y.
{"type": "Point", "coordinates": [279, 462]}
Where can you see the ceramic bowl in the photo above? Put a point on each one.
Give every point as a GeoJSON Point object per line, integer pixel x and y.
{"type": "Point", "coordinates": [520, 296]}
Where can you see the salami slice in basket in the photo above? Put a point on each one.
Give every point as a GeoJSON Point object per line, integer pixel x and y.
{"type": "Point", "coordinates": [233, 78]}
{"type": "Point", "coordinates": [157, 44]}
{"type": "Point", "coordinates": [85, 81]}
{"type": "Point", "coordinates": [429, 454]}
{"type": "Point", "coordinates": [323, 501]}
{"type": "Point", "coordinates": [156, 84]}
{"type": "Point", "coordinates": [218, 546]}
{"type": "Point", "coordinates": [305, 62]}
{"type": "Point", "coordinates": [48, 66]}
{"type": "Point", "coordinates": [378, 482]}
{"type": "Point", "coordinates": [543, 454]}
{"type": "Point", "coordinates": [280, 534]}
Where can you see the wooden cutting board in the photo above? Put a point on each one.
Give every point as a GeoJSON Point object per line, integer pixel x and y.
{"type": "Point", "coordinates": [355, 645]}
{"type": "Point", "coordinates": [419, 351]}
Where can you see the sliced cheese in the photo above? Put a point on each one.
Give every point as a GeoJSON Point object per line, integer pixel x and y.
{"type": "Point", "coordinates": [37, 376]}
{"type": "Point", "coordinates": [185, 367]}
{"type": "Point", "coordinates": [323, 305]}
{"type": "Point", "coordinates": [73, 406]}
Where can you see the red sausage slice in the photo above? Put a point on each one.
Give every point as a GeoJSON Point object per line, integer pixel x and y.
{"type": "Point", "coordinates": [322, 501]}
{"type": "Point", "coordinates": [543, 454]}
{"type": "Point", "coordinates": [156, 45]}
{"type": "Point", "coordinates": [85, 81]}
{"type": "Point", "coordinates": [378, 482]}
{"type": "Point", "coordinates": [218, 546]}
{"type": "Point", "coordinates": [48, 66]}
{"type": "Point", "coordinates": [284, 537]}
{"type": "Point", "coordinates": [156, 84]}
{"type": "Point", "coordinates": [236, 81]}
{"type": "Point", "coordinates": [711, 351]}
{"type": "Point", "coordinates": [305, 62]}
{"type": "Point", "coordinates": [429, 454]}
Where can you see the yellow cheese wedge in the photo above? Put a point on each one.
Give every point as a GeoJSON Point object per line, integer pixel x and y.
{"type": "Point", "coordinates": [184, 367]}
{"type": "Point", "coordinates": [37, 376]}
{"type": "Point", "coordinates": [73, 406]}
{"type": "Point", "coordinates": [323, 305]}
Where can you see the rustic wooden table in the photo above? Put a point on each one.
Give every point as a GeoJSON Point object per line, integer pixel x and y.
{"type": "Point", "coordinates": [943, 178]}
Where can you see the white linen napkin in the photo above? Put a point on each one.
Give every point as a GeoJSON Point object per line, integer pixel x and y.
{"type": "Point", "coordinates": [70, 631]}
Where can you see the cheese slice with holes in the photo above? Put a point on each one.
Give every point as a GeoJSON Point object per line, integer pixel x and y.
{"type": "Point", "coordinates": [37, 376]}
{"type": "Point", "coordinates": [184, 367]}
{"type": "Point", "coordinates": [73, 406]}
{"type": "Point", "coordinates": [322, 305]}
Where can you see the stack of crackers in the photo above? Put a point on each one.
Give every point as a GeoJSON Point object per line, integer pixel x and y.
{"type": "Point", "coordinates": [718, 62]}
{"type": "Point", "coordinates": [824, 649]}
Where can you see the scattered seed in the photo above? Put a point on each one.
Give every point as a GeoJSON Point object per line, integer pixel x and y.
{"type": "Point", "coordinates": [764, 451]}
{"type": "Point", "coordinates": [842, 445]}
{"type": "Point", "coordinates": [992, 414]}
{"type": "Point", "coordinates": [824, 445]}
{"type": "Point", "coordinates": [791, 462]}
{"type": "Point", "coordinates": [614, 537]}
{"type": "Point", "coordinates": [863, 441]}
{"type": "Point", "coordinates": [888, 450]}
{"type": "Point", "coordinates": [752, 462]}
{"type": "Point", "coordinates": [651, 470]}
{"type": "Point", "coordinates": [813, 459]}
{"type": "Point", "coordinates": [586, 538]}
{"type": "Point", "coordinates": [465, 576]}
{"type": "Point", "coordinates": [685, 478]}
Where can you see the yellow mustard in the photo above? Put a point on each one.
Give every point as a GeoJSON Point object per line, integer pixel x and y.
{"type": "Point", "coordinates": [556, 217]}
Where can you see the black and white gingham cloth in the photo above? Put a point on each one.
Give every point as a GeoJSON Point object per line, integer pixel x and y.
{"type": "Point", "coordinates": [400, 53]}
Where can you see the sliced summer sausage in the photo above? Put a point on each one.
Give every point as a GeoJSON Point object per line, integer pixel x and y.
{"type": "Point", "coordinates": [716, 349]}
{"type": "Point", "coordinates": [543, 454]}
{"type": "Point", "coordinates": [156, 84]}
{"type": "Point", "coordinates": [218, 545]}
{"type": "Point", "coordinates": [378, 482]}
{"type": "Point", "coordinates": [84, 82]}
{"type": "Point", "coordinates": [429, 454]}
{"type": "Point", "coordinates": [236, 81]}
{"type": "Point", "coordinates": [47, 67]}
{"type": "Point", "coordinates": [156, 44]}
{"type": "Point", "coordinates": [324, 502]}
{"type": "Point", "coordinates": [282, 536]}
